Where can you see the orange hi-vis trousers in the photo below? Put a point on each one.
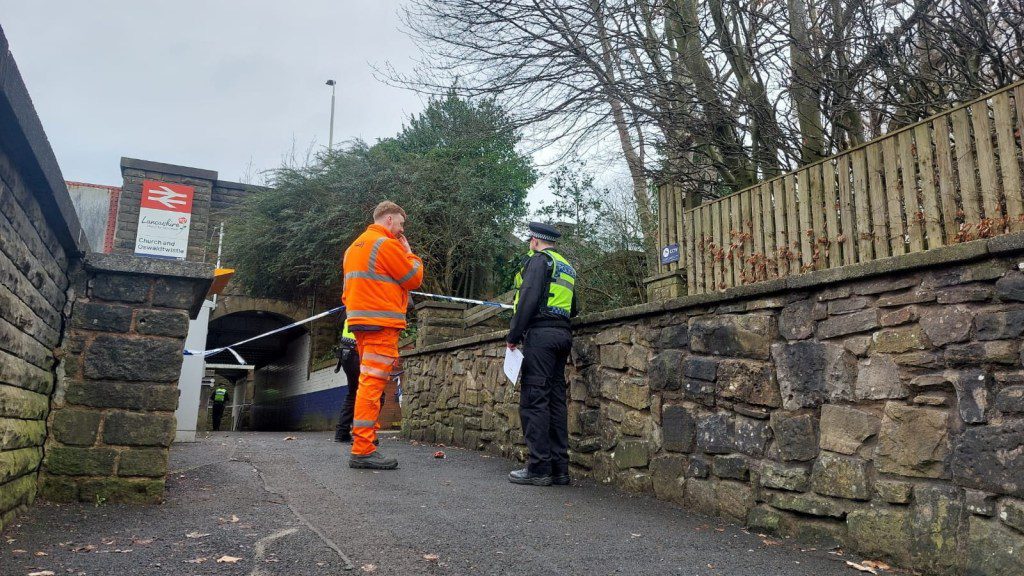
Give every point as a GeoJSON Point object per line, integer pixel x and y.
{"type": "Point", "coordinates": [378, 356]}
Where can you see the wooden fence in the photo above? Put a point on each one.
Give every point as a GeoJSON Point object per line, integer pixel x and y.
{"type": "Point", "coordinates": [951, 178]}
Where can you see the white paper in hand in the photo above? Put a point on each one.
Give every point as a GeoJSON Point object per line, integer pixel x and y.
{"type": "Point", "coordinates": [513, 362]}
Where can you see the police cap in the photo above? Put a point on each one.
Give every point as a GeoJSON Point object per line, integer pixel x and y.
{"type": "Point", "coordinates": [542, 231]}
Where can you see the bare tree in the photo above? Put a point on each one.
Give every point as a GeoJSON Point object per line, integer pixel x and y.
{"type": "Point", "coordinates": [716, 95]}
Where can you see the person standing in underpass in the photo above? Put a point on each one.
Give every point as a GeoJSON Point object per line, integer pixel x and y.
{"type": "Point", "coordinates": [219, 397]}
{"type": "Point", "coordinates": [380, 270]}
{"type": "Point", "coordinates": [544, 302]}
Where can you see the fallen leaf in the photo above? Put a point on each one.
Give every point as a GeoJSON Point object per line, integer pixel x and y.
{"type": "Point", "coordinates": [19, 551]}
{"type": "Point", "coordinates": [194, 534]}
{"type": "Point", "coordinates": [634, 535]}
{"type": "Point", "coordinates": [234, 519]}
{"type": "Point", "coordinates": [227, 559]}
{"type": "Point", "coordinates": [439, 454]}
{"type": "Point", "coordinates": [368, 567]}
{"type": "Point", "coordinates": [430, 557]}
{"type": "Point", "coordinates": [876, 564]}
{"type": "Point", "coordinates": [861, 567]}
{"type": "Point", "coordinates": [770, 542]}
{"type": "Point", "coordinates": [107, 541]}
{"type": "Point", "coordinates": [287, 438]}
{"type": "Point", "coordinates": [41, 553]}
{"type": "Point", "coordinates": [125, 551]}
{"type": "Point", "coordinates": [86, 548]}
{"type": "Point", "coordinates": [145, 542]}
{"type": "Point", "coordinates": [42, 573]}
{"type": "Point", "coordinates": [196, 560]}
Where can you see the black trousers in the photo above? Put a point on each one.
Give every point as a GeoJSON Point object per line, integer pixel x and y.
{"type": "Point", "coordinates": [542, 399]}
{"type": "Point", "coordinates": [350, 364]}
{"type": "Point", "coordinates": [218, 413]}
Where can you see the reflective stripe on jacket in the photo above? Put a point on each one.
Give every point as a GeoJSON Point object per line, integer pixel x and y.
{"type": "Point", "coordinates": [378, 277]}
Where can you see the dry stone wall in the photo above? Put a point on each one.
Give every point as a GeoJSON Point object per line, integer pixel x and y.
{"type": "Point", "coordinates": [884, 413]}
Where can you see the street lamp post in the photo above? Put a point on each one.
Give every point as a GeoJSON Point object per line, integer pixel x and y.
{"type": "Point", "coordinates": [330, 139]}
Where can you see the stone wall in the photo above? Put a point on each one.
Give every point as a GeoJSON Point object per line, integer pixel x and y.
{"type": "Point", "coordinates": [33, 293]}
{"type": "Point", "coordinates": [40, 238]}
{"type": "Point", "coordinates": [112, 417]}
{"type": "Point", "coordinates": [878, 407]}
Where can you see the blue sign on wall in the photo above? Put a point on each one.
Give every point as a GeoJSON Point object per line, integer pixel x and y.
{"type": "Point", "coordinates": [670, 254]}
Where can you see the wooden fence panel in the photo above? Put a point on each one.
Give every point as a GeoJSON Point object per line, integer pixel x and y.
{"type": "Point", "coordinates": [781, 239]}
{"type": "Point", "coordinates": [831, 207]}
{"type": "Point", "coordinates": [697, 262]}
{"type": "Point", "coordinates": [862, 198]}
{"type": "Point", "coordinates": [735, 242]}
{"type": "Point", "coordinates": [952, 216]}
{"type": "Point", "coordinates": [792, 224]}
{"type": "Point", "coordinates": [691, 229]}
{"type": "Point", "coordinates": [986, 163]}
{"type": "Point", "coordinates": [876, 189]}
{"type": "Point", "coordinates": [711, 267]}
{"type": "Point", "coordinates": [897, 233]}
{"type": "Point", "coordinates": [929, 198]}
{"type": "Point", "coordinates": [803, 198]}
{"type": "Point", "coordinates": [911, 199]}
{"type": "Point", "coordinates": [1008, 167]}
{"type": "Point", "coordinates": [817, 210]}
{"type": "Point", "coordinates": [966, 167]}
{"type": "Point", "coordinates": [849, 224]}
{"type": "Point", "coordinates": [720, 259]}
{"type": "Point", "coordinates": [768, 220]}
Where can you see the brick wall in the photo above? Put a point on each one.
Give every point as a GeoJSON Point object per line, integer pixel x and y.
{"type": "Point", "coordinates": [879, 407]}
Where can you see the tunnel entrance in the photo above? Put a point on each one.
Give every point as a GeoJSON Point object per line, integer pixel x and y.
{"type": "Point", "coordinates": [275, 370]}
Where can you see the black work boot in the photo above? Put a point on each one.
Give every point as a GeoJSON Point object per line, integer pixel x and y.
{"type": "Point", "coordinates": [560, 478]}
{"type": "Point", "coordinates": [524, 476]}
{"type": "Point", "coordinates": [373, 461]}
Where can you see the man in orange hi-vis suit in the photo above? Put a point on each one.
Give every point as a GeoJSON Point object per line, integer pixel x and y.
{"type": "Point", "coordinates": [380, 270]}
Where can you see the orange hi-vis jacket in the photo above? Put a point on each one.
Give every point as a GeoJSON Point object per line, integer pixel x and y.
{"type": "Point", "coordinates": [379, 274]}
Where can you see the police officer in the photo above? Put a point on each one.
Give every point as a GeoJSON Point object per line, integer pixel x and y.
{"type": "Point", "coordinates": [348, 360]}
{"type": "Point", "coordinates": [543, 304]}
{"type": "Point", "coordinates": [220, 396]}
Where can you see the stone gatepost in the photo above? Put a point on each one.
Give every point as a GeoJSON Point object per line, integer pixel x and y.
{"type": "Point", "coordinates": [112, 418]}
{"type": "Point", "coordinates": [439, 322]}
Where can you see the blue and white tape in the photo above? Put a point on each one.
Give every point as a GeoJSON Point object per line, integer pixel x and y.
{"type": "Point", "coordinates": [206, 353]}
{"type": "Point", "coordinates": [466, 300]}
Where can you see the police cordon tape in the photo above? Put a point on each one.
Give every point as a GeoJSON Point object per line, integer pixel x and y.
{"type": "Point", "coordinates": [230, 348]}
{"type": "Point", "coordinates": [205, 353]}
{"type": "Point", "coordinates": [466, 300]}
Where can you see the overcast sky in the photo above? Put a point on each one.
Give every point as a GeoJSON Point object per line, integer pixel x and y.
{"type": "Point", "coordinates": [215, 85]}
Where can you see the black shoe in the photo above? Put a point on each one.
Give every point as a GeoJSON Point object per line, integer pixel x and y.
{"type": "Point", "coordinates": [561, 479]}
{"type": "Point", "coordinates": [524, 476]}
{"type": "Point", "coordinates": [342, 437]}
{"type": "Point", "coordinates": [373, 461]}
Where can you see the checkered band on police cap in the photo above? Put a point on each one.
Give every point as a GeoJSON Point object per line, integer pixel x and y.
{"type": "Point", "coordinates": [543, 231]}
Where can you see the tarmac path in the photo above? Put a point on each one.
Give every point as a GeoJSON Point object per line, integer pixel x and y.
{"type": "Point", "coordinates": [293, 507]}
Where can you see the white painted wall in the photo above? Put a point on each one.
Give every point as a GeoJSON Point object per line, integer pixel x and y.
{"type": "Point", "coordinates": [190, 382]}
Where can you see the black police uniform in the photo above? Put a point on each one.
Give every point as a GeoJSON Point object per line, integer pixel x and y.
{"type": "Point", "coordinates": [542, 405]}
{"type": "Point", "coordinates": [348, 360]}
